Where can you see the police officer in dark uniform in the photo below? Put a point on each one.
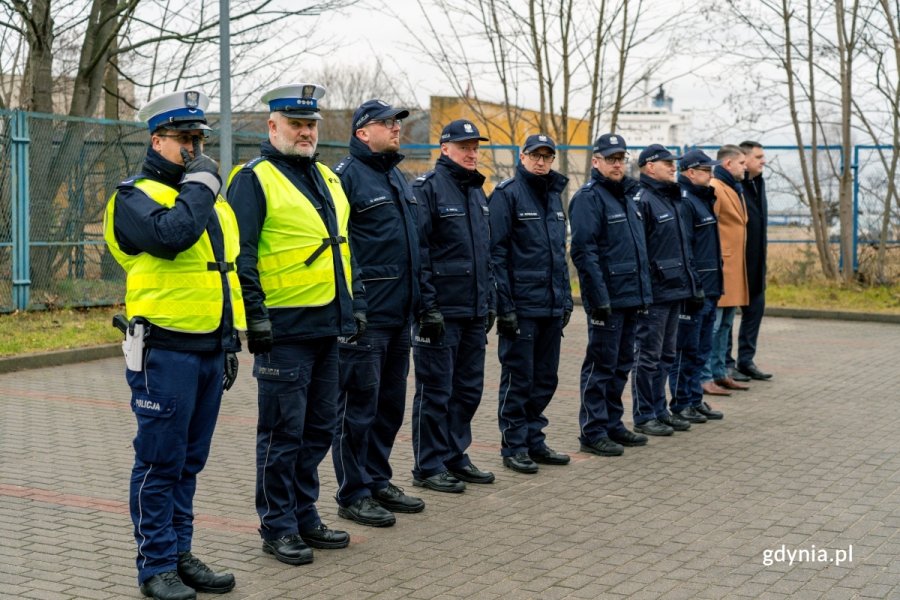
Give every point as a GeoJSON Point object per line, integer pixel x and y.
{"type": "Point", "coordinates": [296, 272]}
{"type": "Point", "coordinates": [675, 288]}
{"type": "Point", "coordinates": [534, 301]}
{"type": "Point", "coordinates": [456, 312]}
{"type": "Point", "coordinates": [695, 331]}
{"type": "Point", "coordinates": [610, 255]}
{"type": "Point", "coordinates": [374, 367]}
{"type": "Point", "coordinates": [177, 239]}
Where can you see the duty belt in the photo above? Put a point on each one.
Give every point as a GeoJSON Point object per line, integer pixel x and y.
{"type": "Point", "coordinates": [334, 240]}
{"type": "Point", "coordinates": [221, 266]}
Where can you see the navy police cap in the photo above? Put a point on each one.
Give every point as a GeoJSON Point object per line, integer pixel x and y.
{"type": "Point", "coordinates": [376, 110]}
{"type": "Point", "coordinates": [296, 100]}
{"type": "Point", "coordinates": [533, 142]}
{"type": "Point", "coordinates": [655, 152]}
{"type": "Point", "coordinates": [696, 159]}
{"type": "Point", "coordinates": [182, 110]}
{"type": "Point", "coordinates": [610, 143]}
{"type": "Point", "coordinates": [461, 130]}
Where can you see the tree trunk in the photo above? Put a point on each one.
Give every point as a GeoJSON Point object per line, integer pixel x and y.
{"type": "Point", "coordinates": [846, 52]}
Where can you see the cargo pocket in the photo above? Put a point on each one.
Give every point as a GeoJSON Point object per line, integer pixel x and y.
{"type": "Point", "coordinates": [281, 405]}
{"type": "Point", "coordinates": [357, 367]}
{"type": "Point", "coordinates": [157, 439]}
{"type": "Point", "coordinates": [669, 269]}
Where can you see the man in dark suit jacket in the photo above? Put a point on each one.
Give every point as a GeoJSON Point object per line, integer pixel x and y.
{"type": "Point", "coordinates": [757, 239]}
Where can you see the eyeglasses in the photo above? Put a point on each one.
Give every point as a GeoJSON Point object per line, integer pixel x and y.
{"type": "Point", "coordinates": [184, 138]}
{"type": "Point", "coordinates": [390, 123]}
{"type": "Point", "coordinates": [538, 157]}
{"type": "Point", "coordinates": [617, 160]}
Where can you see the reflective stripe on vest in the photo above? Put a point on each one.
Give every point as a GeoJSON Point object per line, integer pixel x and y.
{"type": "Point", "coordinates": [184, 294]}
{"type": "Point", "coordinates": [296, 260]}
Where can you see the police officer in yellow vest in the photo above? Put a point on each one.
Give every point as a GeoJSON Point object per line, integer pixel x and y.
{"type": "Point", "coordinates": [178, 241]}
{"type": "Point", "coordinates": [300, 295]}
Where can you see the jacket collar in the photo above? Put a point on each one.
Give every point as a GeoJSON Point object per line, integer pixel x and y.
{"type": "Point", "coordinates": [542, 184]}
{"type": "Point", "coordinates": [666, 189]}
{"type": "Point", "coordinates": [297, 162]}
{"type": "Point", "coordinates": [704, 192]}
{"type": "Point", "coordinates": [380, 161]}
{"type": "Point", "coordinates": [616, 188]}
{"type": "Point", "coordinates": [720, 173]}
{"type": "Point", "coordinates": [162, 170]}
{"type": "Point", "coordinates": [461, 175]}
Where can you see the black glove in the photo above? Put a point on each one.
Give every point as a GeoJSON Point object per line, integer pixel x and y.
{"type": "Point", "coordinates": [601, 313]}
{"type": "Point", "coordinates": [567, 314]}
{"type": "Point", "coordinates": [361, 324]}
{"type": "Point", "coordinates": [201, 163]}
{"type": "Point", "coordinates": [694, 304]}
{"type": "Point", "coordinates": [508, 325]}
{"type": "Point", "coordinates": [231, 370]}
{"type": "Point", "coordinates": [259, 336]}
{"type": "Point", "coordinates": [489, 321]}
{"type": "Point", "coordinates": [431, 324]}
{"type": "Point", "coordinates": [201, 168]}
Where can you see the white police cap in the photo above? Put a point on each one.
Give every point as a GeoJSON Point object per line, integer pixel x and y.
{"type": "Point", "coordinates": [182, 110]}
{"type": "Point", "coordinates": [297, 100]}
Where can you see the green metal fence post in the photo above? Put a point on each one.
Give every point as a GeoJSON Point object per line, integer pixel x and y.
{"type": "Point", "coordinates": [21, 236]}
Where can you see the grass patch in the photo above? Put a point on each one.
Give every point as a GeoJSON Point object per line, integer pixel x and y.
{"type": "Point", "coordinates": [42, 331]}
{"type": "Point", "coordinates": [822, 295]}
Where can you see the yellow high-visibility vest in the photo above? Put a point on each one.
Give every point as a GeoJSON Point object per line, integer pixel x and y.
{"type": "Point", "coordinates": [185, 294]}
{"type": "Point", "coordinates": [296, 260]}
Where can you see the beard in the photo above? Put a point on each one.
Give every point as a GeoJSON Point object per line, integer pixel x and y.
{"type": "Point", "coordinates": [287, 148]}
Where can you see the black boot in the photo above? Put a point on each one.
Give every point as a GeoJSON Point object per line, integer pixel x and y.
{"type": "Point", "coordinates": [167, 586]}
{"type": "Point", "coordinates": [196, 574]}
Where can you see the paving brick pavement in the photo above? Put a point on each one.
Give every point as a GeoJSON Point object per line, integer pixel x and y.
{"type": "Point", "coordinates": [807, 460]}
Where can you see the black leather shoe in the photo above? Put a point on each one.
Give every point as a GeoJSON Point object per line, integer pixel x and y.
{"type": "Point", "coordinates": [521, 463]}
{"type": "Point", "coordinates": [442, 482]}
{"type": "Point", "coordinates": [393, 499]}
{"type": "Point", "coordinates": [167, 586]}
{"type": "Point", "coordinates": [707, 411]}
{"type": "Point", "coordinates": [691, 415]}
{"type": "Point", "coordinates": [654, 427]}
{"type": "Point", "coordinates": [473, 474]}
{"type": "Point", "coordinates": [196, 574]}
{"type": "Point", "coordinates": [290, 549]}
{"type": "Point", "coordinates": [549, 456]}
{"type": "Point", "coordinates": [675, 422]}
{"type": "Point", "coordinates": [603, 447]}
{"type": "Point", "coordinates": [367, 512]}
{"type": "Point", "coordinates": [628, 438]}
{"type": "Point", "coordinates": [326, 539]}
{"type": "Point", "coordinates": [738, 375]}
{"type": "Point", "coordinates": [753, 373]}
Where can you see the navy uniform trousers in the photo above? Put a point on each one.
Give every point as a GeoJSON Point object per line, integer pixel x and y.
{"type": "Point", "coordinates": [695, 340]}
{"type": "Point", "coordinates": [604, 372]}
{"type": "Point", "coordinates": [370, 410]}
{"type": "Point", "coordinates": [655, 338]}
{"type": "Point", "coordinates": [528, 380]}
{"type": "Point", "coordinates": [298, 391]}
{"type": "Point", "coordinates": [449, 382]}
{"type": "Point", "coordinates": [176, 401]}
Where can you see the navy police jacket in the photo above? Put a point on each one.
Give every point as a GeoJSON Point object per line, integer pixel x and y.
{"type": "Point", "coordinates": [454, 242]}
{"type": "Point", "coordinates": [143, 225]}
{"type": "Point", "coordinates": [249, 204]}
{"type": "Point", "coordinates": [703, 234]}
{"type": "Point", "coordinates": [608, 246]}
{"type": "Point", "coordinates": [667, 246]}
{"type": "Point", "coordinates": [383, 238]}
{"type": "Point", "coordinates": [528, 245]}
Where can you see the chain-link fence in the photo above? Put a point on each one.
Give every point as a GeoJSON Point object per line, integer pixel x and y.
{"type": "Point", "coordinates": [57, 173]}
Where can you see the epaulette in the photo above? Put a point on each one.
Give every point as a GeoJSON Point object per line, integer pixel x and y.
{"type": "Point", "coordinates": [252, 163]}
{"type": "Point", "coordinates": [339, 168]}
{"type": "Point", "coordinates": [590, 183]}
{"type": "Point", "coordinates": [421, 179]}
{"type": "Point", "coordinates": [504, 183]}
{"type": "Point", "coordinates": [637, 197]}
{"type": "Point", "coordinates": [127, 183]}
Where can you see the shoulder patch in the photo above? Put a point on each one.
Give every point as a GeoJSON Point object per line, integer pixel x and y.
{"type": "Point", "coordinates": [505, 183]}
{"type": "Point", "coordinates": [339, 168]}
{"type": "Point", "coordinates": [421, 179]}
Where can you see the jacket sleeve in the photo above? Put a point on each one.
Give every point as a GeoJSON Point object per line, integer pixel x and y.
{"type": "Point", "coordinates": [249, 205]}
{"type": "Point", "coordinates": [359, 289]}
{"type": "Point", "coordinates": [427, 294]}
{"type": "Point", "coordinates": [586, 214]}
{"type": "Point", "coordinates": [500, 249]}
{"type": "Point", "coordinates": [687, 230]}
{"type": "Point", "coordinates": [144, 225]}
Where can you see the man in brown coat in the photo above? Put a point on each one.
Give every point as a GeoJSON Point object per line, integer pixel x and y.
{"type": "Point", "coordinates": [731, 212]}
